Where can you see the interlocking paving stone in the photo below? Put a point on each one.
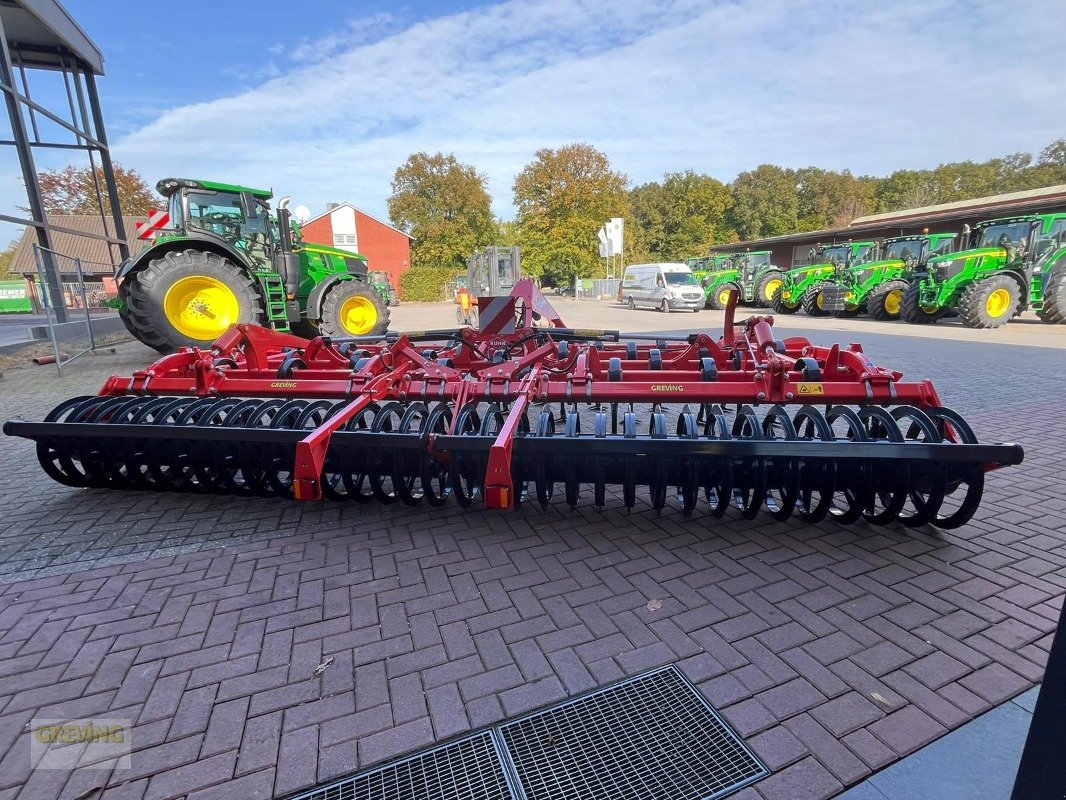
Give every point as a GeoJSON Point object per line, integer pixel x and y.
{"type": "Point", "coordinates": [204, 618]}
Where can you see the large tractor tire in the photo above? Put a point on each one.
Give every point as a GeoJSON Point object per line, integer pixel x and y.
{"type": "Point", "coordinates": [188, 298]}
{"type": "Point", "coordinates": [1054, 310]}
{"type": "Point", "coordinates": [886, 301]}
{"type": "Point", "coordinates": [352, 308]}
{"type": "Point", "coordinates": [911, 309]}
{"type": "Point", "coordinates": [719, 298]}
{"type": "Point", "coordinates": [780, 305]}
{"type": "Point", "coordinates": [991, 302]}
{"type": "Point", "coordinates": [812, 301]}
{"type": "Point", "coordinates": [770, 283]}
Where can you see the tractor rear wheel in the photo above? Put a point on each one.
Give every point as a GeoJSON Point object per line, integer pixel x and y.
{"type": "Point", "coordinates": [1054, 310]}
{"type": "Point", "coordinates": [351, 308]}
{"type": "Point", "coordinates": [812, 301]}
{"type": "Point", "coordinates": [719, 298]}
{"type": "Point", "coordinates": [770, 283]}
{"type": "Point", "coordinates": [886, 300]}
{"type": "Point", "coordinates": [780, 305]}
{"type": "Point", "coordinates": [990, 303]}
{"type": "Point", "coordinates": [188, 298]}
{"type": "Point", "coordinates": [911, 309]}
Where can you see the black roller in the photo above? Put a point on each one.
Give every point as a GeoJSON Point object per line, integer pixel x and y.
{"type": "Point", "coordinates": [878, 465]}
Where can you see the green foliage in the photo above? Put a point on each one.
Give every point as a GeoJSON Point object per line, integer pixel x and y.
{"type": "Point", "coordinates": [684, 214]}
{"type": "Point", "coordinates": [6, 255]}
{"type": "Point", "coordinates": [827, 199]}
{"type": "Point", "coordinates": [766, 202]}
{"type": "Point", "coordinates": [73, 191]}
{"type": "Point", "coordinates": [426, 284]}
{"type": "Point", "coordinates": [563, 197]}
{"type": "Point", "coordinates": [445, 205]}
{"type": "Point", "coordinates": [506, 234]}
{"type": "Point", "coordinates": [965, 180]}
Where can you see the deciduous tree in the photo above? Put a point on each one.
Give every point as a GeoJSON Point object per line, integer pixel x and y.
{"type": "Point", "coordinates": [766, 202]}
{"type": "Point", "coordinates": [828, 199]}
{"type": "Point", "coordinates": [445, 205]}
{"type": "Point", "coordinates": [72, 190]}
{"type": "Point", "coordinates": [681, 217]}
{"type": "Point", "coordinates": [563, 197]}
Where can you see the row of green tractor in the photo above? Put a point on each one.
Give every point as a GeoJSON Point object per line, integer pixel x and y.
{"type": "Point", "coordinates": [986, 276]}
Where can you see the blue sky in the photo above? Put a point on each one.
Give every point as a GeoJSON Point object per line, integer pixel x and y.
{"type": "Point", "coordinates": [323, 100]}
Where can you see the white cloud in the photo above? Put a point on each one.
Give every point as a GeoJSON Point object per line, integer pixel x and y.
{"type": "Point", "coordinates": [660, 85]}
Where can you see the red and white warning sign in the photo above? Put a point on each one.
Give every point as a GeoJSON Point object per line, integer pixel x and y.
{"type": "Point", "coordinates": [496, 315]}
{"type": "Point", "coordinates": [157, 220]}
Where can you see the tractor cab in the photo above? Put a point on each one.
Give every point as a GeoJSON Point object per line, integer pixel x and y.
{"type": "Point", "coordinates": [236, 215]}
{"type": "Point", "coordinates": [1015, 236]}
{"type": "Point", "coordinates": [842, 256]}
{"type": "Point", "coordinates": [751, 263]}
{"type": "Point", "coordinates": [914, 251]}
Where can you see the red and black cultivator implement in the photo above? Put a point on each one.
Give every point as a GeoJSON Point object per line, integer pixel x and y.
{"type": "Point", "coordinates": [519, 410]}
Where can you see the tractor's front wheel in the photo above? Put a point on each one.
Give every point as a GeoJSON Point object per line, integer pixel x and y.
{"type": "Point", "coordinates": [1054, 310]}
{"type": "Point", "coordinates": [990, 303]}
{"type": "Point", "coordinates": [780, 305]}
{"type": "Point", "coordinates": [770, 283]}
{"type": "Point", "coordinates": [812, 301]}
{"type": "Point", "coordinates": [188, 298]}
{"type": "Point", "coordinates": [911, 309]}
{"type": "Point", "coordinates": [886, 300]}
{"type": "Point", "coordinates": [719, 298]}
{"type": "Point", "coordinates": [351, 308]}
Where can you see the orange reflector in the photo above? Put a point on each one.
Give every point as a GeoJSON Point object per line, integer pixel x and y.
{"type": "Point", "coordinates": [497, 497]}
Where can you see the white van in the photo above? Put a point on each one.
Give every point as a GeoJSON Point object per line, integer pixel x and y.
{"type": "Point", "coordinates": [667, 287]}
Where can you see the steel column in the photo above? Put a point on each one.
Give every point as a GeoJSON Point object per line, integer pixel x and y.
{"type": "Point", "coordinates": [29, 175]}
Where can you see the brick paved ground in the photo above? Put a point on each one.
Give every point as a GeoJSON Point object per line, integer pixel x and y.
{"type": "Point", "coordinates": [833, 650]}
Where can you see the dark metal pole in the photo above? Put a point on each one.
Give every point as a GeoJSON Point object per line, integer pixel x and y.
{"type": "Point", "coordinates": [29, 176]}
{"type": "Point", "coordinates": [105, 162]}
{"type": "Point", "coordinates": [1042, 773]}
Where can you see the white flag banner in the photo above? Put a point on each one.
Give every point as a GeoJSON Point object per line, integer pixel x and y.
{"type": "Point", "coordinates": [615, 228]}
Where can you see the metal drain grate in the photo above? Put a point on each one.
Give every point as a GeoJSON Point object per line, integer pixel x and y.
{"type": "Point", "coordinates": [649, 737]}
{"type": "Point", "coordinates": [466, 769]}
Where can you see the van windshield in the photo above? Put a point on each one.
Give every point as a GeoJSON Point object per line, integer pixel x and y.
{"type": "Point", "coordinates": [680, 278]}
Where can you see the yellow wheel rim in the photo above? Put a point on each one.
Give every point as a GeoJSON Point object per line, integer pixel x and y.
{"type": "Point", "coordinates": [893, 301]}
{"type": "Point", "coordinates": [771, 287]}
{"type": "Point", "coordinates": [358, 315]}
{"type": "Point", "coordinates": [821, 301]}
{"type": "Point", "coordinates": [723, 296]}
{"type": "Point", "coordinates": [201, 307]}
{"type": "Point", "coordinates": [998, 302]}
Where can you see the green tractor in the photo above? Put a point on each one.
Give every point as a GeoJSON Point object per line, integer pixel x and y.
{"type": "Point", "coordinates": [223, 259]}
{"type": "Point", "coordinates": [716, 274]}
{"type": "Point", "coordinates": [382, 284]}
{"type": "Point", "coordinates": [804, 287]}
{"type": "Point", "coordinates": [751, 274]}
{"type": "Point", "coordinates": [1011, 264]}
{"type": "Point", "coordinates": [878, 285]}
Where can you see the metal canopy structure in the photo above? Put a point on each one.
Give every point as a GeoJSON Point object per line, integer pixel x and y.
{"type": "Point", "coordinates": [38, 35]}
